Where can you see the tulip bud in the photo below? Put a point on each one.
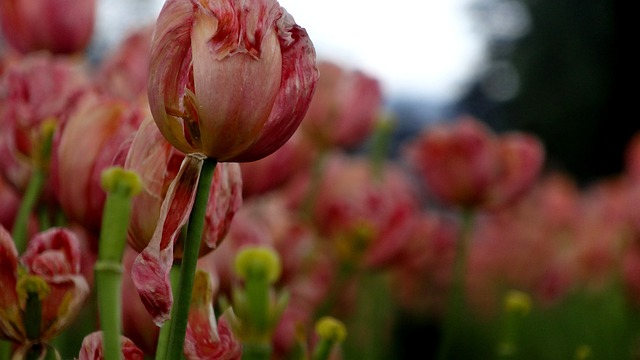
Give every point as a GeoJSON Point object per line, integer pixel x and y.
{"type": "Point", "coordinates": [99, 128]}
{"type": "Point", "coordinates": [59, 26]}
{"type": "Point", "coordinates": [344, 107]}
{"type": "Point", "coordinates": [465, 164]}
{"type": "Point", "coordinates": [228, 78]}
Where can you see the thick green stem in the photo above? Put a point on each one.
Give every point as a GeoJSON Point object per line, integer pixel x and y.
{"type": "Point", "coordinates": [457, 296]}
{"type": "Point", "coordinates": [120, 185]}
{"type": "Point", "coordinates": [257, 291]}
{"type": "Point", "coordinates": [180, 311]}
{"type": "Point", "coordinates": [165, 331]}
{"type": "Point", "coordinates": [323, 349]}
{"type": "Point", "coordinates": [256, 351]}
{"type": "Point", "coordinates": [5, 349]}
{"type": "Point", "coordinates": [29, 200]}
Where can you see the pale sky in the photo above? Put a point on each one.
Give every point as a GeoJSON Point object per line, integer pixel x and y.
{"type": "Point", "coordinates": [422, 48]}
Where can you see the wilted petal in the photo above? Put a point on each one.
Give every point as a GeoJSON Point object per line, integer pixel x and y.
{"type": "Point", "coordinates": [11, 326]}
{"type": "Point", "coordinates": [92, 348]}
{"type": "Point", "coordinates": [204, 338]}
{"type": "Point", "coordinates": [150, 271]}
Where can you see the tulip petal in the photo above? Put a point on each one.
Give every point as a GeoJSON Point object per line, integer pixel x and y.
{"type": "Point", "coordinates": [168, 75]}
{"type": "Point", "coordinates": [92, 348]}
{"type": "Point", "coordinates": [150, 271]}
{"type": "Point", "coordinates": [10, 319]}
{"type": "Point", "coordinates": [204, 338]}
{"type": "Point", "coordinates": [298, 82]}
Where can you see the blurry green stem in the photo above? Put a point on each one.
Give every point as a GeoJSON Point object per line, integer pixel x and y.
{"type": "Point", "coordinates": [5, 349]}
{"type": "Point", "coordinates": [380, 144]}
{"type": "Point", "coordinates": [165, 331]}
{"type": "Point", "coordinates": [120, 185]}
{"type": "Point", "coordinates": [29, 200]}
{"type": "Point", "coordinates": [195, 228]}
{"type": "Point", "coordinates": [457, 296]}
{"type": "Point", "coordinates": [256, 351]}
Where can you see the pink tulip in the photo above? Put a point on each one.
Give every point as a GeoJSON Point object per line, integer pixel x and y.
{"type": "Point", "coordinates": [368, 216]}
{"type": "Point", "coordinates": [228, 78]}
{"type": "Point", "coordinates": [344, 108]}
{"type": "Point", "coordinates": [52, 262]}
{"type": "Point", "coordinates": [464, 163]}
{"type": "Point", "coordinates": [163, 207]}
{"type": "Point", "coordinates": [91, 348]}
{"type": "Point", "coordinates": [275, 170]}
{"type": "Point", "coordinates": [36, 89]}
{"type": "Point", "coordinates": [59, 26]}
{"type": "Point", "coordinates": [125, 71]}
{"type": "Point", "coordinates": [89, 144]}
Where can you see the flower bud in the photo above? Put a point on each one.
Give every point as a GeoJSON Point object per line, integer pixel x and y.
{"type": "Point", "coordinates": [344, 108]}
{"type": "Point", "coordinates": [59, 26]}
{"type": "Point", "coordinates": [230, 79]}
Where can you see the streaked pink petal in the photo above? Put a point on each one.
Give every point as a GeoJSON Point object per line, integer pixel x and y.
{"type": "Point", "coordinates": [150, 271]}
{"type": "Point", "coordinates": [92, 348]}
{"type": "Point", "coordinates": [298, 82]}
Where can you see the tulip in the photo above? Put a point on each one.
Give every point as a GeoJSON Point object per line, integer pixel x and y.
{"type": "Point", "coordinates": [59, 26]}
{"type": "Point", "coordinates": [344, 108]}
{"type": "Point", "coordinates": [464, 163]}
{"type": "Point", "coordinates": [125, 71]}
{"type": "Point", "coordinates": [37, 89]}
{"type": "Point", "coordinates": [42, 290]}
{"type": "Point", "coordinates": [228, 78]}
{"type": "Point", "coordinates": [158, 163]}
{"type": "Point", "coordinates": [100, 127]}
{"type": "Point", "coordinates": [275, 170]}
{"type": "Point", "coordinates": [367, 217]}
{"type": "Point", "coordinates": [92, 349]}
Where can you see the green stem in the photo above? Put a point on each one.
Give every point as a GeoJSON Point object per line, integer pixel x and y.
{"type": "Point", "coordinates": [457, 296]}
{"type": "Point", "coordinates": [257, 291]}
{"type": "Point", "coordinates": [33, 316]}
{"type": "Point", "coordinates": [323, 349]}
{"type": "Point", "coordinates": [180, 311]}
{"type": "Point", "coordinates": [29, 200]}
{"type": "Point", "coordinates": [380, 144]}
{"type": "Point", "coordinates": [5, 349]}
{"type": "Point", "coordinates": [256, 351]}
{"type": "Point", "coordinates": [120, 185]}
{"type": "Point", "coordinates": [165, 331]}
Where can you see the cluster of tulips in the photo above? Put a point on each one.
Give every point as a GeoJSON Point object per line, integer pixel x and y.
{"type": "Point", "coordinates": [210, 190]}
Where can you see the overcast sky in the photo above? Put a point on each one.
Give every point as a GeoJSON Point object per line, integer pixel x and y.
{"type": "Point", "coordinates": [425, 48]}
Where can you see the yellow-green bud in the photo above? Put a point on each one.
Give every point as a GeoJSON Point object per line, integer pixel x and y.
{"type": "Point", "coordinates": [517, 302]}
{"type": "Point", "coordinates": [583, 352]}
{"type": "Point", "coordinates": [258, 261]}
{"type": "Point", "coordinates": [331, 329]}
{"type": "Point", "coordinates": [117, 178]}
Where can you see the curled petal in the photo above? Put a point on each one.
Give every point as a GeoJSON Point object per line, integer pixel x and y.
{"type": "Point", "coordinates": [92, 348]}
{"type": "Point", "coordinates": [53, 252]}
{"type": "Point", "coordinates": [224, 201]}
{"type": "Point", "coordinates": [150, 271]}
{"type": "Point", "coordinates": [10, 318]}
{"type": "Point", "coordinates": [204, 338]}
